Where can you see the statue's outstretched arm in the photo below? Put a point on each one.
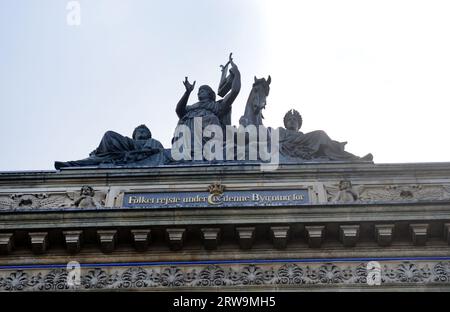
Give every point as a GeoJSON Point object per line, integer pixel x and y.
{"type": "Point", "coordinates": [181, 106]}
{"type": "Point", "coordinates": [78, 201]}
{"type": "Point", "coordinates": [235, 86]}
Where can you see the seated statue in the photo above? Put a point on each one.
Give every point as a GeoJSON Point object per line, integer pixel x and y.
{"type": "Point", "coordinates": [118, 150]}
{"type": "Point", "coordinates": [316, 145]}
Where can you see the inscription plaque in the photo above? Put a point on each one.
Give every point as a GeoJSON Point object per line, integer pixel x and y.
{"type": "Point", "coordinates": [227, 199]}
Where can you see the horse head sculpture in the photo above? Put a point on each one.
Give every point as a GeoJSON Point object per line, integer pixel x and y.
{"type": "Point", "coordinates": [256, 102]}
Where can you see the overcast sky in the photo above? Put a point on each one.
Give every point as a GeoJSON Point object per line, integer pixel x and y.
{"type": "Point", "coordinates": [373, 73]}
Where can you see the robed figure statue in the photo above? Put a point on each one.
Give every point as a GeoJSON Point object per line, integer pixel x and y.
{"type": "Point", "coordinates": [210, 110]}
{"type": "Point", "coordinates": [316, 145]}
{"type": "Point", "coordinates": [118, 150]}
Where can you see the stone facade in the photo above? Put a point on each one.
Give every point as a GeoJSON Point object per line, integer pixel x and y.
{"type": "Point", "coordinates": [395, 214]}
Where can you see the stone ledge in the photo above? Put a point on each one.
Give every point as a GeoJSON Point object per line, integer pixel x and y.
{"type": "Point", "coordinates": [379, 213]}
{"type": "Point", "coordinates": [107, 177]}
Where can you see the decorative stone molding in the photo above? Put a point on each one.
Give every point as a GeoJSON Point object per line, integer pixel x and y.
{"type": "Point", "coordinates": [6, 243]}
{"type": "Point", "coordinates": [141, 238]}
{"type": "Point", "coordinates": [343, 192]}
{"type": "Point", "coordinates": [280, 236]}
{"type": "Point", "coordinates": [384, 234]}
{"type": "Point", "coordinates": [73, 241]}
{"type": "Point", "coordinates": [406, 192]}
{"type": "Point", "coordinates": [107, 240]}
{"type": "Point", "coordinates": [39, 242]}
{"type": "Point", "coordinates": [228, 276]}
{"type": "Point", "coordinates": [346, 192]}
{"type": "Point", "coordinates": [32, 201]}
{"type": "Point", "coordinates": [211, 237]}
{"type": "Point", "coordinates": [175, 238]}
{"type": "Point", "coordinates": [349, 235]}
{"type": "Point", "coordinates": [419, 234]}
{"type": "Point", "coordinates": [314, 235]}
{"type": "Point", "coordinates": [246, 236]}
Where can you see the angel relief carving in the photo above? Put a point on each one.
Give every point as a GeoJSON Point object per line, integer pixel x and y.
{"type": "Point", "coordinates": [86, 198]}
{"type": "Point", "coordinates": [345, 192]}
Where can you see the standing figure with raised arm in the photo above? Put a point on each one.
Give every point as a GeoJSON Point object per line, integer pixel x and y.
{"type": "Point", "coordinates": [210, 111]}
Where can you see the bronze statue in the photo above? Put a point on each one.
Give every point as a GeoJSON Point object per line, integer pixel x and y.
{"type": "Point", "coordinates": [142, 150]}
{"type": "Point", "coordinates": [116, 149]}
{"type": "Point", "coordinates": [256, 103]}
{"type": "Point", "coordinates": [210, 111]}
{"type": "Point", "coordinates": [315, 145]}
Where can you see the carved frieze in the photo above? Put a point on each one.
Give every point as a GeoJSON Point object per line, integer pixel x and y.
{"type": "Point", "coordinates": [229, 276]}
{"type": "Point", "coordinates": [87, 198]}
{"type": "Point", "coordinates": [346, 192]}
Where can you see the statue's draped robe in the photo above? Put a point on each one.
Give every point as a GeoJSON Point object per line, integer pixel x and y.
{"type": "Point", "coordinates": [211, 113]}
{"type": "Point", "coordinates": [313, 145]}
{"type": "Point", "coordinates": [116, 149]}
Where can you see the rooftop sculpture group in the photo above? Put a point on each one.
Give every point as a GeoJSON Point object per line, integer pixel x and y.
{"type": "Point", "coordinates": [210, 114]}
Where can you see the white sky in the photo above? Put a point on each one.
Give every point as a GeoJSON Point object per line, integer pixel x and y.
{"type": "Point", "coordinates": [373, 73]}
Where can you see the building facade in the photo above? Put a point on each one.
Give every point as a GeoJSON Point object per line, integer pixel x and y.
{"type": "Point", "coordinates": [306, 227]}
